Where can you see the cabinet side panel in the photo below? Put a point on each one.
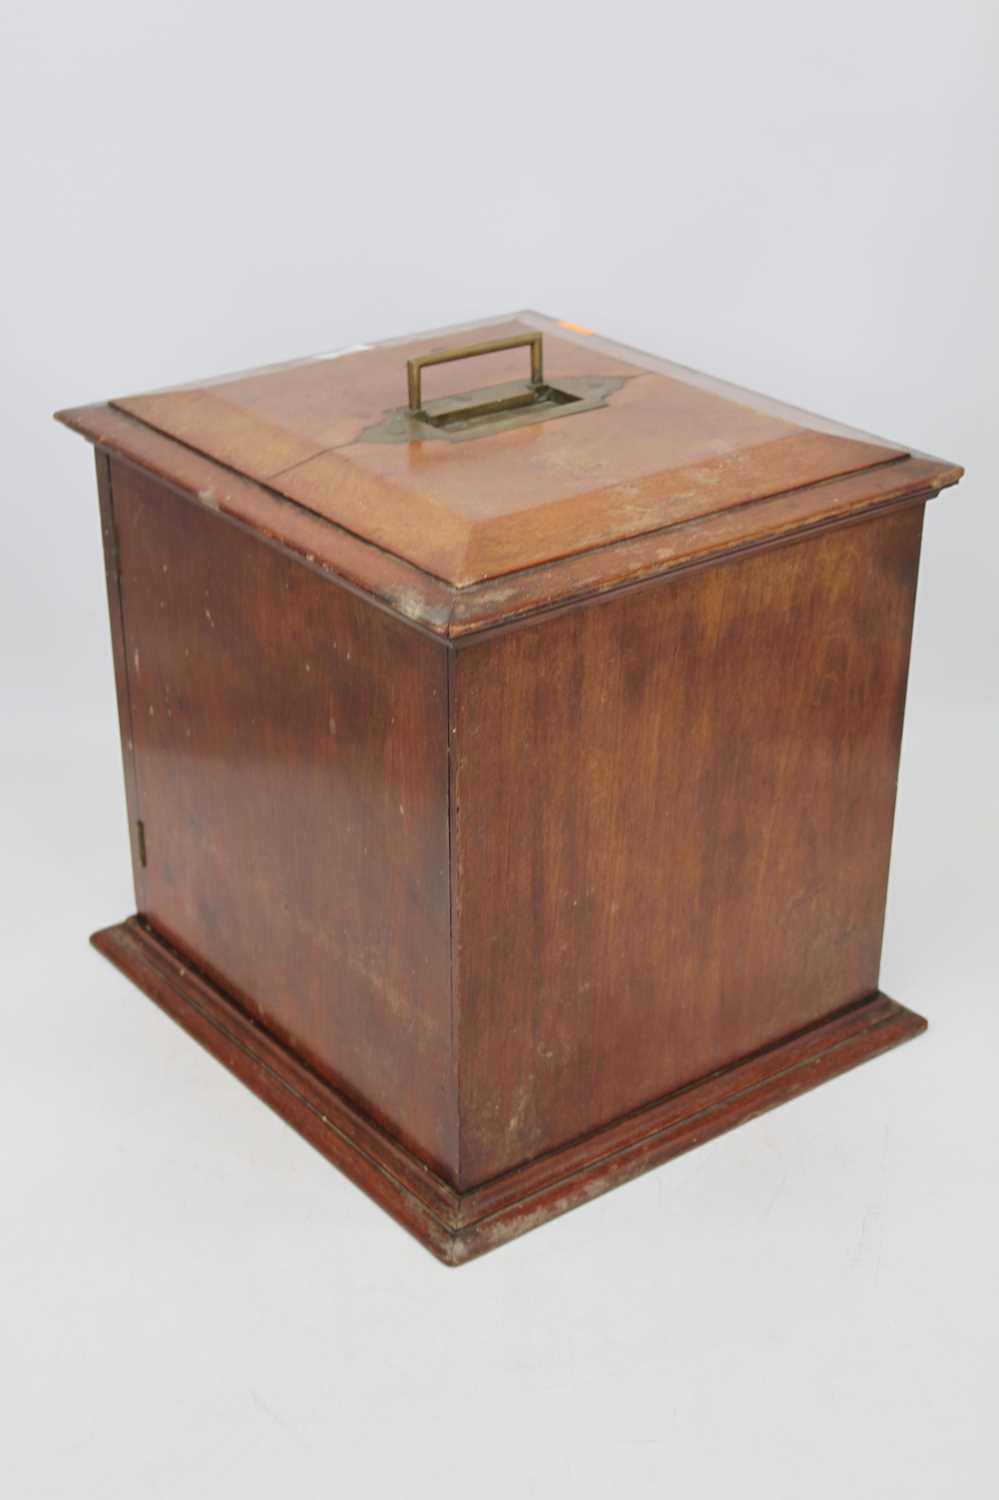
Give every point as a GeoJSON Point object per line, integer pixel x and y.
{"type": "Point", "coordinates": [119, 652]}
{"type": "Point", "coordinates": [673, 826]}
{"type": "Point", "coordinates": [291, 744]}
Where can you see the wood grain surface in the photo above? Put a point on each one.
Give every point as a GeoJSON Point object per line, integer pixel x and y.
{"type": "Point", "coordinates": [514, 814]}
{"type": "Point", "coordinates": [452, 613]}
{"type": "Point", "coordinates": [664, 451]}
{"type": "Point", "coordinates": [680, 467]}
{"type": "Point", "coordinates": [291, 753]}
{"type": "Point", "coordinates": [457, 1227]}
{"type": "Point", "coordinates": [673, 816]}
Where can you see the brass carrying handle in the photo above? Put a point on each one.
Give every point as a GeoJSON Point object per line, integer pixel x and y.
{"type": "Point", "coordinates": [415, 367]}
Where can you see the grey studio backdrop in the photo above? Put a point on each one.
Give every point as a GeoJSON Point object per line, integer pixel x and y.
{"type": "Point", "coordinates": [799, 198]}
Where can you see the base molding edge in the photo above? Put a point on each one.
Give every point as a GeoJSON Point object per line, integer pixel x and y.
{"type": "Point", "coordinates": [458, 1226]}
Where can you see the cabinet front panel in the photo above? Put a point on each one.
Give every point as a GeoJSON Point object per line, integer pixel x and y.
{"type": "Point", "coordinates": [291, 778]}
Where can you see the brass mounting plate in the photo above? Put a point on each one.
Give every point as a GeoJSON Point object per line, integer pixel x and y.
{"type": "Point", "coordinates": [497, 408]}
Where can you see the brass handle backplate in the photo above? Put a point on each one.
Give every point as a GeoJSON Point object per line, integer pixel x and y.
{"type": "Point", "coordinates": [490, 411]}
{"type": "Point", "coordinates": [415, 367]}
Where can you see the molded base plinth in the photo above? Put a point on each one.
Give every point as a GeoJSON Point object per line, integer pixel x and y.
{"type": "Point", "coordinates": [457, 1226]}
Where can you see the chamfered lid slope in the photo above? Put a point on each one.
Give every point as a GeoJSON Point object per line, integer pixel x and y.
{"type": "Point", "coordinates": [492, 465]}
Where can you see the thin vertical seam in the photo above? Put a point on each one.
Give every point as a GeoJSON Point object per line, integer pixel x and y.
{"type": "Point", "coordinates": [451, 807]}
{"type": "Point", "coordinates": [900, 724]}
{"type": "Point", "coordinates": [120, 606]}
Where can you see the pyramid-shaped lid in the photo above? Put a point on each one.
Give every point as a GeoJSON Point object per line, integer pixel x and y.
{"type": "Point", "coordinates": [480, 465]}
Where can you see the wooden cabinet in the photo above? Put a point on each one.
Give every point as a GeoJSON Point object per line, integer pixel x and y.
{"type": "Point", "coordinates": [510, 753]}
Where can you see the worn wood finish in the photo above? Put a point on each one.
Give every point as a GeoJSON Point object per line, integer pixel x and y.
{"type": "Point", "coordinates": [672, 832]}
{"type": "Point", "coordinates": [510, 815]}
{"type": "Point", "coordinates": [292, 763]}
{"type": "Point", "coordinates": [451, 613]}
{"type": "Point", "coordinates": [662, 452]}
{"type": "Point", "coordinates": [110, 543]}
{"type": "Point", "coordinates": [554, 490]}
{"type": "Point", "coordinates": [455, 1226]}
{"type": "Point", "coordinates": [671, 447]}
{"type": "Point", "coordinates": [404, 590]}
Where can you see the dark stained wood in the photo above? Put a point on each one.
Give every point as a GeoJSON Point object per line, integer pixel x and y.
{"type": "Point", "coordinates": [292, 761]}
{"type": "Point", "coordinates": [479, 510]}
{"type": "Point", "coordinates": [456, 1227]}
{"type": "Point", "coordinates": [405, 591]}
{"type": "Point", "coordinates": [506, 884]}
{"type": "Point", "coordinates": [395, 1178]}
{"type": "Point", "coordinates": [264, 422]}
{"type": "Point", "coordinates": [670, 447]}
{"type": "Point", "coordinates": [115, 615]}
{"type": "Point", "coordinates": [676, 549]}
{"type": "Point", "coordinates": [672, 831]}
{"type": "Point", "coordinates": [451, 613]}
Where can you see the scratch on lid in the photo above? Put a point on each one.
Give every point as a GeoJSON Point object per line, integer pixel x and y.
{"type": "Point", "coordinates": [339, 353]}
